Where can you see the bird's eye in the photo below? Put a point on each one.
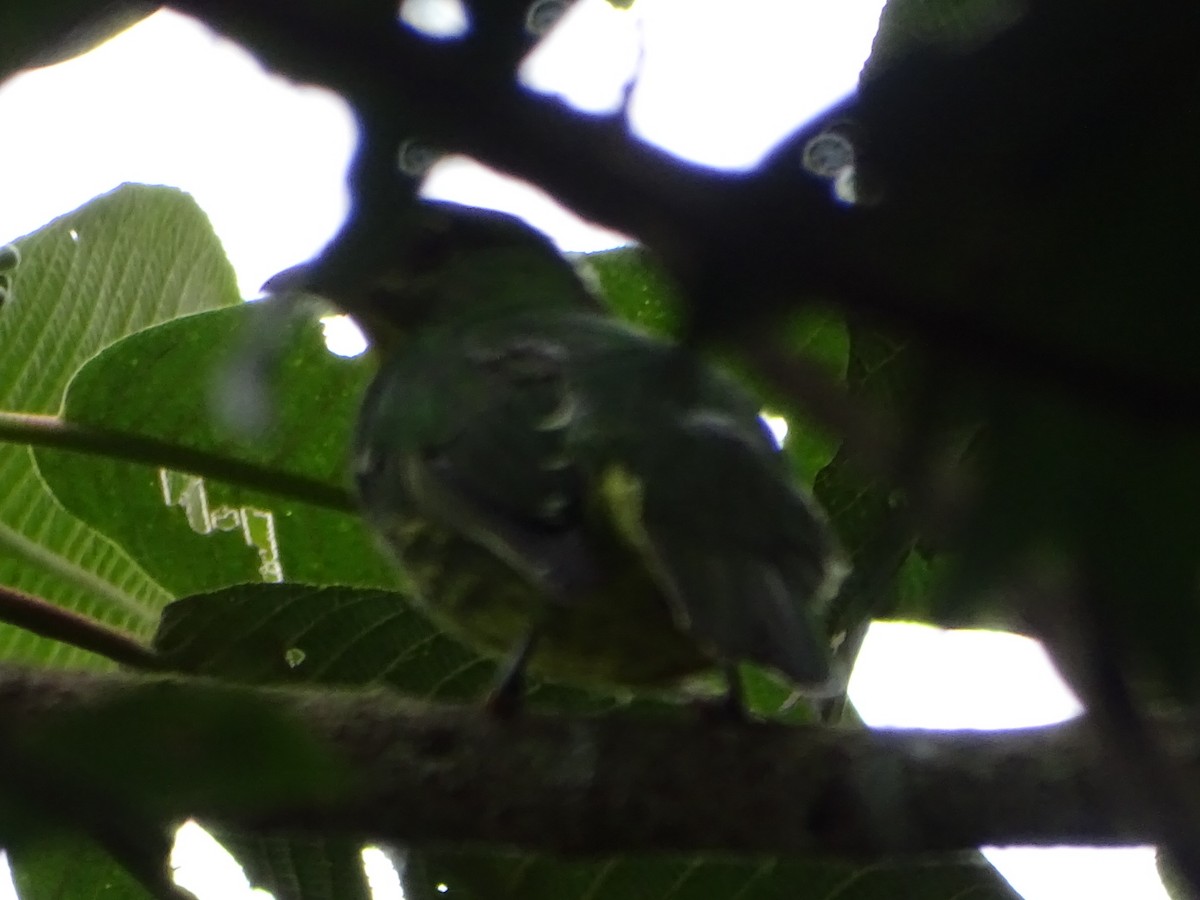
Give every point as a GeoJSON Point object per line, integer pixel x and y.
{"type": "Point", "coordinates": [369, 462]}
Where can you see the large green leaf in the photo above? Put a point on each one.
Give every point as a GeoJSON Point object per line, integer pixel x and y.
{"type": "Point", "coordinates": [74, 870]}
{"type": "Point", "coordinates": [862, 510]}
{"type": "Point", "coordinates": [132, 258]}
{"type": "Point", "coordinates": [195, 534]}
{"type": "Point", "coordinates": [127, 260]}
{"type": "Point", "coordinates": [299, 634]}
{"type": "Point", "coordinates": [814, 336]}
{"type": "Point", "coordinates": [288, 633]}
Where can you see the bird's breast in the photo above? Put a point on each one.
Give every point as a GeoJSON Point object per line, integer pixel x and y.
{"type": "Point", "coordinates": [617, 630]}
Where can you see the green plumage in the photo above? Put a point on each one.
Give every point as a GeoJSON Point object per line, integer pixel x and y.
{"type": "Point", "coordinates": [535, 463]}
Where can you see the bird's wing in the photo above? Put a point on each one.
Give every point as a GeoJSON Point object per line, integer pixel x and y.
{"type": "Point", "coordinates": [745, 559]}
{"type": "Point", "coordinates": [490, 462]}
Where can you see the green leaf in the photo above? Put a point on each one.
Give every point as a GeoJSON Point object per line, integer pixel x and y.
{"type": "Point", "coordinates": [635, 288]}
{"type": "Point", "coordinates": [819, 337]}
{"type": "Point", "coordinates": [879, 374]}
{"type": "Point", "coordinates": [71, 869]}
{"type": "Point", "coordinates": [300, 634]}
{"type": "Point", "coordinates": [127, 260]}
{"type": "Point", "coordinates": [337, 635]}
{"type": "Point", "coordinates": [196, 534]}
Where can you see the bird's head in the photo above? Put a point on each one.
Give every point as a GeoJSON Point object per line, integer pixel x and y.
{"type": "Point", "coordinates": [439, 262]}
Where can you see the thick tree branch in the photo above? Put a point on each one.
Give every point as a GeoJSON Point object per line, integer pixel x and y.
{"type": "Point", "coordinates": [624, 784]}
{"type": "Point", "coordinates": [775, 237]}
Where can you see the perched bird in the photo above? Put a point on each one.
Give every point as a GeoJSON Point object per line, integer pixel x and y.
{"type": "Point", "coordinates": [597, 503]}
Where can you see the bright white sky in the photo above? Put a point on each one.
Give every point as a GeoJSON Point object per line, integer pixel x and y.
{"type": "Point", "coordinates": [169, 103]}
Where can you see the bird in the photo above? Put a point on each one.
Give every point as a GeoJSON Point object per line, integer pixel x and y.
{"type": "Point", "coordinates": [592, 503]}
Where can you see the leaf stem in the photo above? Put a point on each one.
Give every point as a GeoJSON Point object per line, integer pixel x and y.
{"type": "Point", "coordinates": [52, 431]}
{"type": "Point", "coordinates": [59, 624]}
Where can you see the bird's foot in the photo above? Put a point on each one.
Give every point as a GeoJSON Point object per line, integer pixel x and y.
{"type": "Point", "coordinates": [730, 707]}
{"type": "Point", "coordinates": [507, 698]}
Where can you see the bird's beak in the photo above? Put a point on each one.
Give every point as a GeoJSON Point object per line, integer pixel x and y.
{"type": "Point", "coordinates": [297, 279]}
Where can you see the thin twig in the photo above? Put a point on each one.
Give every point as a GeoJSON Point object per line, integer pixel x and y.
{"type": "Point", "coordinates": [51, 431]}
{"type": "Point", "coordinates": [870, 436]}
{"type": "Point", "coordinates": [59, 624]}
